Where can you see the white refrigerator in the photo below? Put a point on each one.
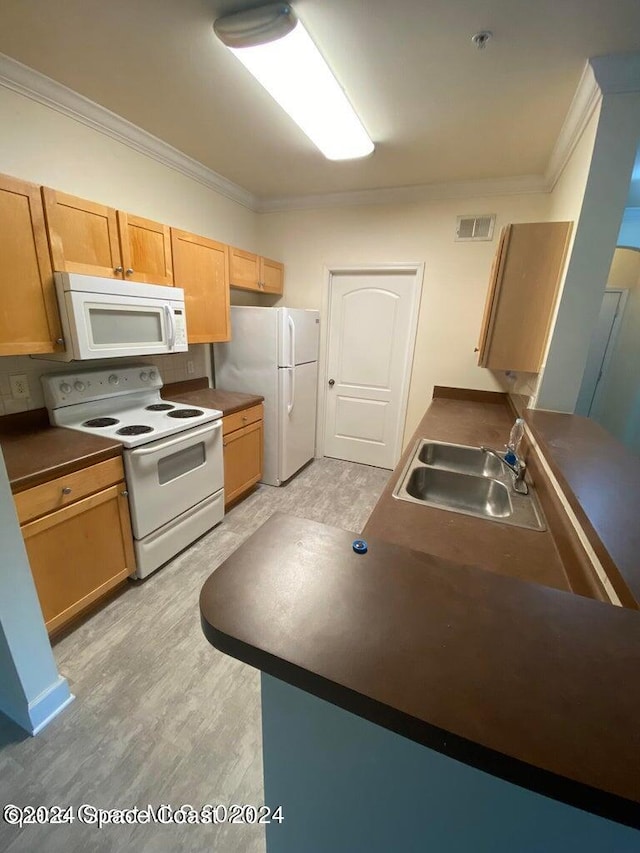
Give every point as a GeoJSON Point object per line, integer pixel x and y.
{"type": "Point", "coordinates": [274, 352]}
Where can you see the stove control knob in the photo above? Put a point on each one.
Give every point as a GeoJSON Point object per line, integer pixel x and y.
{"type": "Point", "coordinates": [79, 386]}
{"type": "Point", "coordinates": [65, 388]}
{"type": "Point", "coordinates": [114, 379]}
{"type": "Point", "coordinates": [144, 376]}
{"type": "Point", "coordinates": [153, 375]}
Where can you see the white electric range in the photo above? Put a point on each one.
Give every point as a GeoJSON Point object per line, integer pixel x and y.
{"type": "Point", "coordinates": [172, 452]}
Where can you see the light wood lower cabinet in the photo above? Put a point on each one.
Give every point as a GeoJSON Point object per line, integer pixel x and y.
{"type": "Point", "coordinates": [243, 452]}
{"type": "Point", "coordinates": [84, 548]}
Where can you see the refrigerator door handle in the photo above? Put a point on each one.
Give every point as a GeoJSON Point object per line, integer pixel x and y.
{"type": "Point", "coordinates": [292, 338]}
{"type": "Point", "coordinates": [292, 390]}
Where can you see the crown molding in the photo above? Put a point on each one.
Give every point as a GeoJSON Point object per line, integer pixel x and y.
{"type": "Point", "coordinates": [403, 195]}
{"type": "Point", "coordinates": [36, 86]}
{"type": "Point", "coordinates": [42, 89]}
{"type": "Point", "coordinates": [587, 96]}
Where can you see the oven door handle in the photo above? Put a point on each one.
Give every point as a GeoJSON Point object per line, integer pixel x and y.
{"type": "Point", "coordinates": [192, 433]}
{"type": "Point", "coordinates": [171, 322]}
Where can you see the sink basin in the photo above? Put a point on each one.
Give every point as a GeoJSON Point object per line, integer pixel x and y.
{"type": "Point", "coordinates": [458, 457]}
{"type": "Point", "coordinates": [463, 479]}
{"type": "Point", "coordinates": [477, 495]}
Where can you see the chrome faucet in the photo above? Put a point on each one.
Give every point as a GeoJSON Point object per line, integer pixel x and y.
{"type": "Point", "coordinates": [518, 470]}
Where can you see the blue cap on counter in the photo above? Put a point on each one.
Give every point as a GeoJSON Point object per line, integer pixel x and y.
{"type": "Point", "coordinates": [360, 546]}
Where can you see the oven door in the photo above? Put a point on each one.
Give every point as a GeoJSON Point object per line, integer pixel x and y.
{"type": "Point", "coordinates": [169, 476]}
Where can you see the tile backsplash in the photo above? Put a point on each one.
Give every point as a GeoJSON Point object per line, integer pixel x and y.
{"type": "Point", "coordinates": [173, 368]}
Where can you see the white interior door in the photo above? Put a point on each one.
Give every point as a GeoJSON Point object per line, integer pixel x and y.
{"type": "Point", "coordinates": [600, 349]}
{"type": "Point", "coordinates": [371, 335]}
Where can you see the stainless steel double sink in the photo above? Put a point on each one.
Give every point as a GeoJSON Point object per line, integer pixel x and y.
{"type": "Point", "coordinates": [466, 480]}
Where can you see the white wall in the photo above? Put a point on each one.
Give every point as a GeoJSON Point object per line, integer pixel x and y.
{"type": "Point", "coordinates": [629, 234]}
{"type": "Point", "coordinates": [31, 691]}
{"type": "Point", "coordinates": [455, 282]}
{"type": "Point", "coordinates": [603, 200]}
{"type": "Point", "coordinates": [618, 408]}
{"type": "Point", "coordinates": [44, 146]}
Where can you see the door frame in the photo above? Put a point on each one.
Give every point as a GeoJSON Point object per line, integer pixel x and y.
{"type": "Point", "coordinates": [417, 270]}
{"type": "Point", "coordinates": [608, 353]}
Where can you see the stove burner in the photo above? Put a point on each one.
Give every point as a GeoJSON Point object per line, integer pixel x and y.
{"type": "Point", "coordinates": [185, 413]}
{"type": "Point", "coordinates": [134, 429]}
{"type": "Point", "coordinates": [159, 407]}
{"type": "Point", "coordinates": [101, 422]}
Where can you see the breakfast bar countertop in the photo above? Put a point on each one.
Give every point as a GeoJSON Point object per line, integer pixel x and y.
{"type": "Point", "coordinates": [531, 684]}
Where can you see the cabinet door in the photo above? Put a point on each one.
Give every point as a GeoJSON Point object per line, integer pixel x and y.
{"type": "Point", "coordinates": [83, 235]}
{"type": "Point", "coordinates": [29, 319]}
{"type": "Point", "coordinates": [201, 267]}
{"type": "Point", "coordinates": [146, 249]}
{"type": "Point", "coordinates": [522, 295]}
{"type": "Point", "coordinates": [242, 460]}
{"type": "Point", "coordinates": [244, 269]}
{"type": "Point", "coordinates": [77, 554]}
{"type": "Point", "coordinates": [271, 275]}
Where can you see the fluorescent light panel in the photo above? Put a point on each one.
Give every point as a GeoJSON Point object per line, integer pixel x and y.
{"type": "Point", "coordinates": [294, 73]}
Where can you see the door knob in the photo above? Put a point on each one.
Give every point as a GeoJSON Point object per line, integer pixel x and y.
{"type": "Point", "coordinates": [332, 382]}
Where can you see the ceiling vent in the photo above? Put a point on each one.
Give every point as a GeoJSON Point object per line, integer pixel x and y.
{"type": "Point", "coordinates": [475, 227]}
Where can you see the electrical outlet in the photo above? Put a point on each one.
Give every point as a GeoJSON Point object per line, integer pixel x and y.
{"type": "Point", "coordinates": [19, 386]}
{"type": "Point", "coordinates": [190, 367]}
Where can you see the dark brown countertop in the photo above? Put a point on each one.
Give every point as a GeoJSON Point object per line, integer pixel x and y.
{"type": "Point", "coordinates": [601, 480]}
{"type": "Point", "coordinates": [35, 452]}
{"type": "Point", "coordinates": [215, 398]}
{"type": "Point", "coordinates": [501, 548]}
{"type": "Point", "coordinates": [529, 683]}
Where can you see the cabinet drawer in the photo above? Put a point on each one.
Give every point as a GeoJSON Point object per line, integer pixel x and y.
{"type": "Point", "coordinates": [241, 419]}
{"type": "Point", "coordinates": [62, 491]}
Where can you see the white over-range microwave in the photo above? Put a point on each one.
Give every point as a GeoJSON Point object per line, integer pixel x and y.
{"type": "Point", "coordinates": [105, 318]}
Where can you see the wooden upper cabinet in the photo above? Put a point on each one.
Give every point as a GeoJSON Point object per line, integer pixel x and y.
{"type": "Point", "coordinates": [146, 249]}
{"type": "Point", "coordinates": [93, 239]}
{"type": "Point", "coordinates": [244, 269]}
{"type": "Point", "coordinates": [271, 275]}
{"type": "Point", "coordinates": [252, 272]}
{"type": "Point", "coordinates": [523, 288]}
{"type": "Point", "coordinates": [83, 235]}
{"type": "Point", "coordinates": [201, 267]}
{"type": "Point", "coordinates": [29, 319]}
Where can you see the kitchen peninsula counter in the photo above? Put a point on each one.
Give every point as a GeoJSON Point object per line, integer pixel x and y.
{"type": "Point", "coordinates": [35, 452]}
{"type": "Point", "coordinates": [527, 683]}
{"type": "Point", "coordinates": [526, 554]}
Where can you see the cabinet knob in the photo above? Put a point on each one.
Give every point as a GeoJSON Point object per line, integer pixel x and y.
{"type": "Point", "coordinates": [118, 269]}
{"type": "Point", "coordinates": [129, 271]}
{"type": "Point", "coordinates": [66, 490]}
{"type": "Point", "coordinates": [124, 493]}
{"type": "Point", "coordinates": [244, 418]}
{"type": "Point", "coordinates": [60, 340]}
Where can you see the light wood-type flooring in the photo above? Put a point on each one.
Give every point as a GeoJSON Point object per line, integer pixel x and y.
{"type": "Point", "coordinates": [161, 716]}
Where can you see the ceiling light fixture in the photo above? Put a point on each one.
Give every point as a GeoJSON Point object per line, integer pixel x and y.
{"type": "Point", "coordinates": [275, 47]}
